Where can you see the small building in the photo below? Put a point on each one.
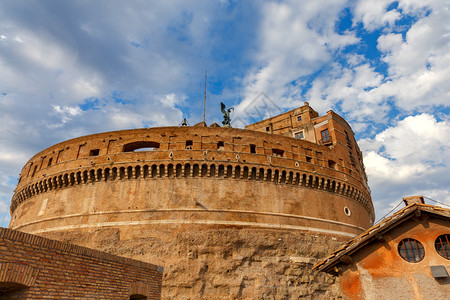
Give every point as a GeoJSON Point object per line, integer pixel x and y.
{"type": "Point", "coordinates": [33, 267]}
{"type": "Point", "coordinates": [405, 256]}
{"type": "Point", "coordinates": [330, 130]}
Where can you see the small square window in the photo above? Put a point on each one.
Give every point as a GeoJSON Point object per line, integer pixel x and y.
{"type": "Point", "coordinates": [94, 152]}
{"type": "Point", "coordinates": [332, 164]}
{"type": "Point", "coordinates": [278, 152]}
{"type": "Point", "coordinates": [299, 135]}
{"type": "Point", "coordinates": [299, 118]}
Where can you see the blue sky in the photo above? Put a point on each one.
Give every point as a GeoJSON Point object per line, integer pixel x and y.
{"type": "Point", "coordinates": [70, 68]}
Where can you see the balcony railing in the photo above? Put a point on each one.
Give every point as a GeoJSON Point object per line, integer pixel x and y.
{"type": "Point", "coordinates": [326, 140]}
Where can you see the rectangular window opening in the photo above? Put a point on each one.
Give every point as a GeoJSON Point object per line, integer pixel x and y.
{"type": "Point", "coordinates": [326, 139]}
{"type": "Point", "coordinates": [94, 152]}
{"type": "Point", "coordinates": [252, 148]}
{"type": "Point", "coordinates": [299, 118]}
{"type": "Point", "coordinates": [189, 145]}
{"type": "Point", "coordinates": [34, 171]}
{"type": "Point", "coordinates": [332, 164]}
{"type": "Point", "coordinates": [49, 162]}
{"type": "Point", "coordinates": [347, 137]}
{"type": "Point", "coordinates": [220, 145]}
{"type": "Point", "coordinates": [278, 152]}
{"type": "Point", "coordinates": [299, 135]}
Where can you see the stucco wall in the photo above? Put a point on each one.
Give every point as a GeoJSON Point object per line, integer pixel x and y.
{"type": "Point", "coordinates": [379, 272]}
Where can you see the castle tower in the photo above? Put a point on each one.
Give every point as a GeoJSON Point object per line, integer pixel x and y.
{"type": "Point", "coordinates": [229, 213]}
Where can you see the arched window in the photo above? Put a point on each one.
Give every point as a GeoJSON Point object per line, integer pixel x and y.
{"type": "Point", "coordinates": [178, 170]}
{"type": "Point", "coordinates": [261, 174]}
{"type": "Point", "coordinates": [141, 146]}
{"type": "Point", "coordinates": [269, 175]}
{"type": "Point", "coordinates": [187, 170]}
{"type": "Point", "coordinates": [245, 173]}
{"type": "Point", "coordinates": [145, 171]}
{"type": "Point", "coordinates": [411, 250]}
{"type": "Point", "coordinates": [204, 170]}
{"type": "Point", "coordinates": [212, 170]}
{"type": "Point", "coordinates": [170, 170]}
{"type": "Point", "coordinates": [229, 171]}
{"type": "Point", "coordinates": [237, 172]}
{"type": "Point", "coordinates": [129, 172]}
{"type": "Point", "coordinates": [276, 176]}
{"type": "Point", "coordinates": [162, 170]}
{"type": "Point", "coordinates": [137, 172]}
{"type": "Point", "coordinates": [154, 171]}
{"type": "Point", "coordinates": [196, 170]}
{"type": "Point", "coordinates": [221, 171]}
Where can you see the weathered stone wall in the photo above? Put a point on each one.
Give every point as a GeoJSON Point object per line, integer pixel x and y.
{"type": "Point", "coordinates": [262, 183]}
{"type": "Point", "coordinates": [198, 200]}
{"type": "Point", "coordinates": [229, 213]}
{"type": "Point", "coordinates": [223, 262]}
{"type": "Point", "coordinates": [73, 160]}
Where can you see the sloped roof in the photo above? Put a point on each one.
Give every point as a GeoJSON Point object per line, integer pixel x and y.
{"type": "Point", "coordinates": [375, 231]}
{"type": "Point", "coordinates": [201, 124]}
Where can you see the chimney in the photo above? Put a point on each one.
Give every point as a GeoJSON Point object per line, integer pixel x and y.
{"type": "Point", "coordinates": [413, 199]}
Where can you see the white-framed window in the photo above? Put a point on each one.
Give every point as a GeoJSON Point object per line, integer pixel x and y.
{"type": "Point", "coordinates": [299, 135]}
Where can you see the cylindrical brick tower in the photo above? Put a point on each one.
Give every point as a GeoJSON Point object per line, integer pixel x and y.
{"type": "Point", "coordinates": [229, 213]}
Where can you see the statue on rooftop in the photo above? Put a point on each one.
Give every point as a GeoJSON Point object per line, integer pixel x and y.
{"type": "Point", "coordinates": [226, 115]}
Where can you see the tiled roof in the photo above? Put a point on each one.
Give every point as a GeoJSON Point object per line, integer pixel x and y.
{"type": "Point", "coordinates": [370, 234]}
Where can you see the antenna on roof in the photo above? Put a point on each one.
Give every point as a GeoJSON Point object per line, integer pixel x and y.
{"type": "Point", "coordinates": [204, 101]}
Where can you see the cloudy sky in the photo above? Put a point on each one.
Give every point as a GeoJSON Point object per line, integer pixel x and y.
{"type": "Point", "coordinates": [70, 68]}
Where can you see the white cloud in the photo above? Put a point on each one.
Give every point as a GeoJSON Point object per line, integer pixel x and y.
{"type": "Point", "coordinates": [296, 39]}
{"type": "Point", "coordinates": [86, 87]}
{"type": "Point", "coordinates": [146, 60]}
{"type": "Point", "coordinates": [350, 88]}
{"type": "Point", "coordinates": [418, 65]}
{"type": "Point", "coordinates": [43, 51]}
{"type": "Point", "coordinates": [374, 14]}
{"type": "Point", "coordinates": [412, 157]}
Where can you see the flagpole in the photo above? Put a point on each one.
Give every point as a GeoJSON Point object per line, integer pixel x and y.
{"type": "Point", "coordinates": [204, 101]}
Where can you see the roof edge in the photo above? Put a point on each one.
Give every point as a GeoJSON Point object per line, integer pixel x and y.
{"type": "Point", "coordinates": [327, 264]}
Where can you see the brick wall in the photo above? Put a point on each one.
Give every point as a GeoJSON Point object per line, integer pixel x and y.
{"type": "Point", "coordinates": [32, 267]}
